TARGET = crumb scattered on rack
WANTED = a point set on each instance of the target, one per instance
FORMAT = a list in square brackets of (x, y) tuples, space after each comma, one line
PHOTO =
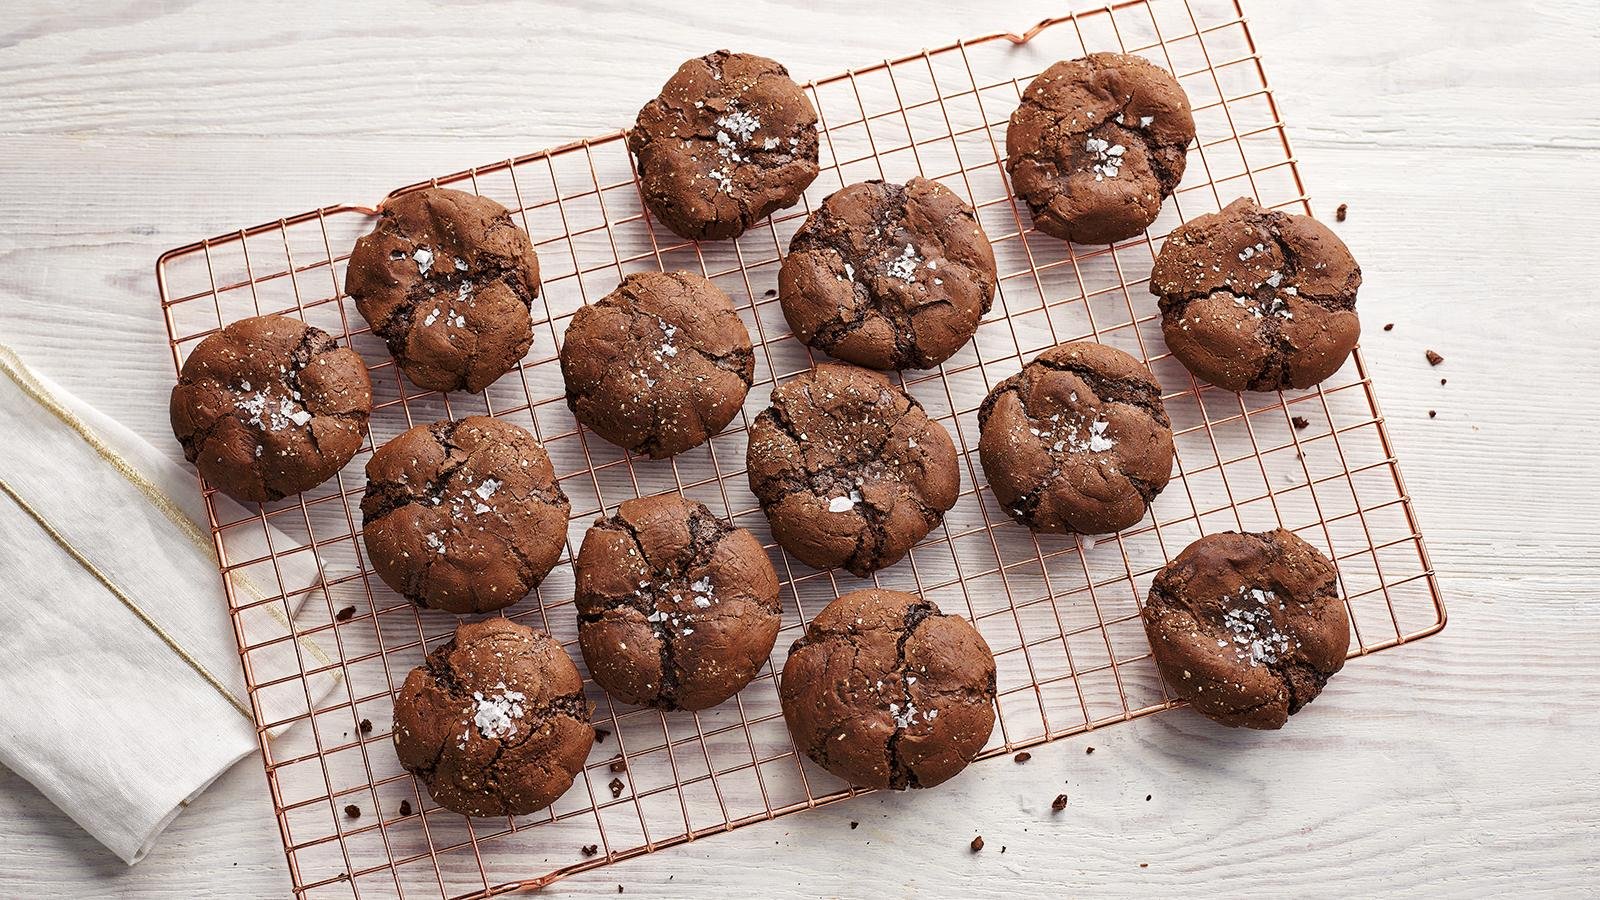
[(590, 849), (353, 811), (1300, 422), (1022, 757), (600, 735), (366, 726), (616, 787), (344, 615), (619, 765), (405, 807)]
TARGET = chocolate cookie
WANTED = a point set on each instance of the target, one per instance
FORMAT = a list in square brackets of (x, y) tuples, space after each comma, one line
[(1258, 300), (269, 407), (849, 469), (730, 140), (658, 365), (1247, 627), (1078, 441), (463, 516), (884, 690), (676, 608), (447, 280), (1097, 144), (889, 276), (494, 722)]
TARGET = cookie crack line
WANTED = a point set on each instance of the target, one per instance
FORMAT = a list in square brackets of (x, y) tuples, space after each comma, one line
[(1142, 394), (901, 776)]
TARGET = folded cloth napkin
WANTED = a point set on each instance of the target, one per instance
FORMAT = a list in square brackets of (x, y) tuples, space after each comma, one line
[(121, 691)]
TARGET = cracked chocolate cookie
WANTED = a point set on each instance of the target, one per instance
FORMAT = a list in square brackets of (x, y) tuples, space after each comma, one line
[(1257, 300), (730, 140), (463, 516), (269, 407), (1097, 144), (1078, 441), (849, 469), (888, 276), (447, 280), (658, 365), (1247, 627), (886, 691), (494, 722), (676, 608)]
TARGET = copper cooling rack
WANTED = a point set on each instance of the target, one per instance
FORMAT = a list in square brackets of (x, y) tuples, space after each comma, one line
[(1061, 614)]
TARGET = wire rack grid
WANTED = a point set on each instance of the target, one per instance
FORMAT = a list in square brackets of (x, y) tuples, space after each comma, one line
[(1061, 613)]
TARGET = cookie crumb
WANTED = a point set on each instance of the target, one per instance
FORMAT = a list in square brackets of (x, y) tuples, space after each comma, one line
[(590, 849), (366, 726), (1433, 358), (405, 807), (1300, 422), (1147, 797), (344, 615), (1433, 413), (1088, 750), (1022, 757), (600, 735), (977, 843), (854, 825), (1144, 865), (1002, 848), (619, 765), (771, 292), (1389, 327), (616, 787), (1341, 212), (352, 811), (1059, 803), (1443, 380)]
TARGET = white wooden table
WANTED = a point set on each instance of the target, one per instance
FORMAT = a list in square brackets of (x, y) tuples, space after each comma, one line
[(1465, 138)]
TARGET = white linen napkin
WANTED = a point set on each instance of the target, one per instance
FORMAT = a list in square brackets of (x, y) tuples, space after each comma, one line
[(121, 691)]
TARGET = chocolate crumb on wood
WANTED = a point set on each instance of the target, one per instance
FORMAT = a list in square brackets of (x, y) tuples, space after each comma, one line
[(366, 726), (1022, 757), (1341, 212), (1088, 750), (353, 811), (600, 735), (1301, 422), (1389, 327), (616, 786), (590, 849), (1432, 413), (854, 825), (1433, 358), (344, 615), (619, 765), (405, 807), (977, 843), (1059, 803)]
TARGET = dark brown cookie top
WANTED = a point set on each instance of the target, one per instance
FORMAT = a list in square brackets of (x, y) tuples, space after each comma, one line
[(447, 279), (269, 407), (676, 608), (463, 516), (1078, 441), (1259, 300), (1247, 627), (494, 722), (886, 691), (849, 469), (730, 140), (1097, 144), (658, 365), (889, 276)]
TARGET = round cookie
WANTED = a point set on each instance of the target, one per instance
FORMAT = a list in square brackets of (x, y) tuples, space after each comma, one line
[(676, 608), (1258, 300), (888, 276), (658, 365), (885, 691), (730, 140), (1078, 441), (269, 407), (1097, 144), (463, 516), (1247, 627), (849, 469), (447, 280), (494, 722)]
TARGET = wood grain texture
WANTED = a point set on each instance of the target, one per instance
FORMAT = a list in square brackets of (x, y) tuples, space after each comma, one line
[(1464, 137)]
